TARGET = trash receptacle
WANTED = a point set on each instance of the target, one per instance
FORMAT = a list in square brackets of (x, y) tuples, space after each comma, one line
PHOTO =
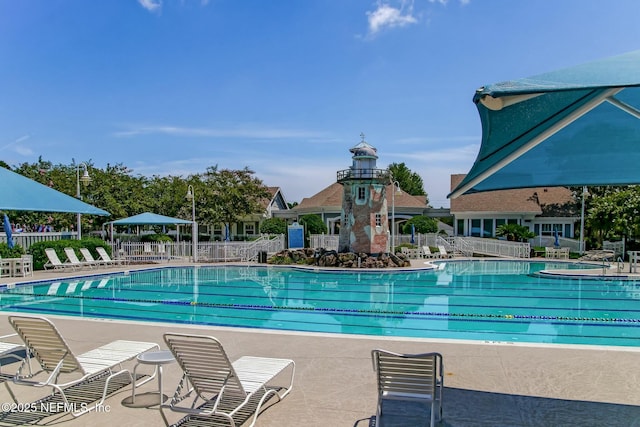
[(262, 257)]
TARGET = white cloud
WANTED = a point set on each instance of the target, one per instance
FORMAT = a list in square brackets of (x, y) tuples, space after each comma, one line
[(239, 132), (387, 16), (24, 151), (151, 5), (17, 147)]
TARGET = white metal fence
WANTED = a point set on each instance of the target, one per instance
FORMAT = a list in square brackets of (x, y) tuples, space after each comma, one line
[(461, 245), (494, 247), (207, 251), (27, 239)]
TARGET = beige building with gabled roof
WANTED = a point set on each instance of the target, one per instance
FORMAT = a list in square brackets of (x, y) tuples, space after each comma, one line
[(543, 210), (328, 204)]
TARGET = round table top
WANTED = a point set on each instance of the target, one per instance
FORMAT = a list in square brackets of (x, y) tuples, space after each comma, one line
[(159, 357)]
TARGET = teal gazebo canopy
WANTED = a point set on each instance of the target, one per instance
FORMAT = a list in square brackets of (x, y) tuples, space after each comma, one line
[(149, 218), (19, 193), (573, 127)]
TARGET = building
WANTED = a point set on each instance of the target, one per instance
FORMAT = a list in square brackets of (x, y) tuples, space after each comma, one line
[(327, 203), (248, 227), (543, 210)]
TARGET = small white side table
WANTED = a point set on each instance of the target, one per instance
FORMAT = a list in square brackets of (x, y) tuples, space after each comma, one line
[(157, 358)]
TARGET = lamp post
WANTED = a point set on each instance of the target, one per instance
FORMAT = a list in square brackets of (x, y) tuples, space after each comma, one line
[(194, 226), (85, 178), (396, 186), (585, 193)]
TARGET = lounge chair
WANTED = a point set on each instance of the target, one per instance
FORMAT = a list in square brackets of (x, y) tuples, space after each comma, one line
[(442, 252), (426, 252), (54, 262), (73, 259), (409, 377), (104, 256), (89, 259), (220, 388), (9, 349), (60, 368)]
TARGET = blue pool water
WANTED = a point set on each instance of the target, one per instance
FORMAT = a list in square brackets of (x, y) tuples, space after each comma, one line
[(470, 300)]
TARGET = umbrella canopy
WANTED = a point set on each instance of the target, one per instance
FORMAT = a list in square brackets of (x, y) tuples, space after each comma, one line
[(572, 127), (8, 231), (19, 193), (149, 218)]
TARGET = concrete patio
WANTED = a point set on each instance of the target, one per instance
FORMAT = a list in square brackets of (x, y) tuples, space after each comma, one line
[(486, 383)]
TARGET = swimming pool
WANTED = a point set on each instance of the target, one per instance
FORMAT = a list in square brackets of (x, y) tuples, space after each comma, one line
[(469, 300)]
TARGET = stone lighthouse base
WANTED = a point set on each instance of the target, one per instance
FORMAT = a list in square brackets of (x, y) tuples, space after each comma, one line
[(325, 258)]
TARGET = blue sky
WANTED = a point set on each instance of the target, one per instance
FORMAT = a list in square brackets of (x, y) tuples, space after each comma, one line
[(284, 87)]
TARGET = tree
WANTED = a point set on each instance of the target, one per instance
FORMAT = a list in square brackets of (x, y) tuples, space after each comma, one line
[(313, 224), (230, 195), (273, 226), (410, 182), (422, 224), (515, 232), (614, 213)]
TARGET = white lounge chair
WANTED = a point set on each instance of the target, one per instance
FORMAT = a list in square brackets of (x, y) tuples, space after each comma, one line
[(443, 252), (104, 256), (219, 387), (409, 377), (73, 259), (89, 259), (9, 349), (54, 262), (426, 252), (60, 368)]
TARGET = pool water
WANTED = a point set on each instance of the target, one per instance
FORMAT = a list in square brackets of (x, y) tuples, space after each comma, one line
[(468, 300)]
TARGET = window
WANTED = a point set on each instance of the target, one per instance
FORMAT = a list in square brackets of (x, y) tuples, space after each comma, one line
[(475, 227), (487, 227), (378, 220), (549, 229), (460, 230), (361, 193), (249, 229)]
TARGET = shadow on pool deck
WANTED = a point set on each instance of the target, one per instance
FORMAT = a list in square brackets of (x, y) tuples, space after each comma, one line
[(464, 408)]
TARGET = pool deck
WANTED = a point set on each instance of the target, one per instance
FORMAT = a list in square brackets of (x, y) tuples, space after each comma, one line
[(486, 383)]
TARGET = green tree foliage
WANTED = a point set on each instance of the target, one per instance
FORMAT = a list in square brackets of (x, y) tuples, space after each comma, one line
[(221, 196), (313, 224), (422, 224), (231, 195), (409, 181), (515, 232), (273, 226), (614, 213)]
